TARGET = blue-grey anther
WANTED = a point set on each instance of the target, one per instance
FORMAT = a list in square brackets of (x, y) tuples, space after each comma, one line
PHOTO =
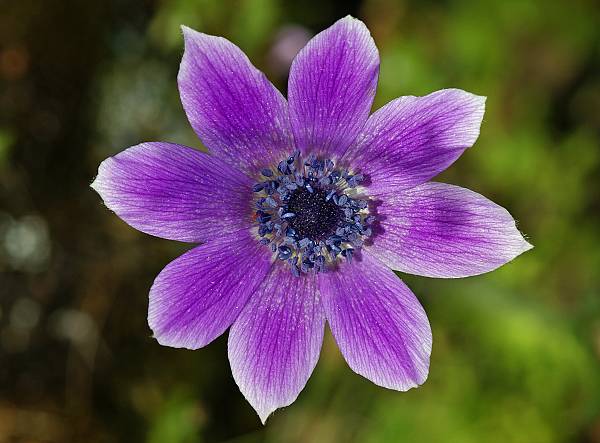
[(305, 215)]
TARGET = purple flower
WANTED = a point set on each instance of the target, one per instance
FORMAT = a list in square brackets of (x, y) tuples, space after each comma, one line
[(302, 207)]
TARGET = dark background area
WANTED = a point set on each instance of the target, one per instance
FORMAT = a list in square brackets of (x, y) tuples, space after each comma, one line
[(515, 356)]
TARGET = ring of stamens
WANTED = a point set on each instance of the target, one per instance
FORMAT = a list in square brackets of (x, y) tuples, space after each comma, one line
[(308, 214)]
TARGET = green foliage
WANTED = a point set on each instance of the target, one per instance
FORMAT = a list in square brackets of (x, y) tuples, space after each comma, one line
[(177, 421)]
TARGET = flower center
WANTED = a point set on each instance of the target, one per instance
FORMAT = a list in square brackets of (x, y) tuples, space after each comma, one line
[(316, 217), (308, 213)]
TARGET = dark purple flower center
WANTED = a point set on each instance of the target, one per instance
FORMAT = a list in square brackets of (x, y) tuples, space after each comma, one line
[(316, 217), (309, 213)]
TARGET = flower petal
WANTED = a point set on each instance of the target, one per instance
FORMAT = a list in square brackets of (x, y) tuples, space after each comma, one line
[(378, 323), (331, 87), (440, 230), (412, 139), (175, 192), (237, 113), (199, 295), (274, 344)]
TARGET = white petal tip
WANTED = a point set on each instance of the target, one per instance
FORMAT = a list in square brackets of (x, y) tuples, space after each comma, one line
[(263, 418), (99, 182), (190, 34), (482, 99), (167, 342), (526, 246), (186, 29), (94, 184), (352, 22), (396, 385), (265, 412)]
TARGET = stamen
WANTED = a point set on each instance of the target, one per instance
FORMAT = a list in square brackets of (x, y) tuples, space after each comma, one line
[(305, 216)]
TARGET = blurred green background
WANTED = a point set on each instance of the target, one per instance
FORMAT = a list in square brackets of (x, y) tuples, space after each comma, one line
[(516, 352)]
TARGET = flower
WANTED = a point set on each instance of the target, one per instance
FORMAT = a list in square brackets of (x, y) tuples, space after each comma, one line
[(302, 207)]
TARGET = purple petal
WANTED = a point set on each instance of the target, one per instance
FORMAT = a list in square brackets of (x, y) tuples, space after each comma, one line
[(378, 323), (199, 295), (412, 139), (331, 87), (175, 192), (274, 344), (237, 113), (440, 230)]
